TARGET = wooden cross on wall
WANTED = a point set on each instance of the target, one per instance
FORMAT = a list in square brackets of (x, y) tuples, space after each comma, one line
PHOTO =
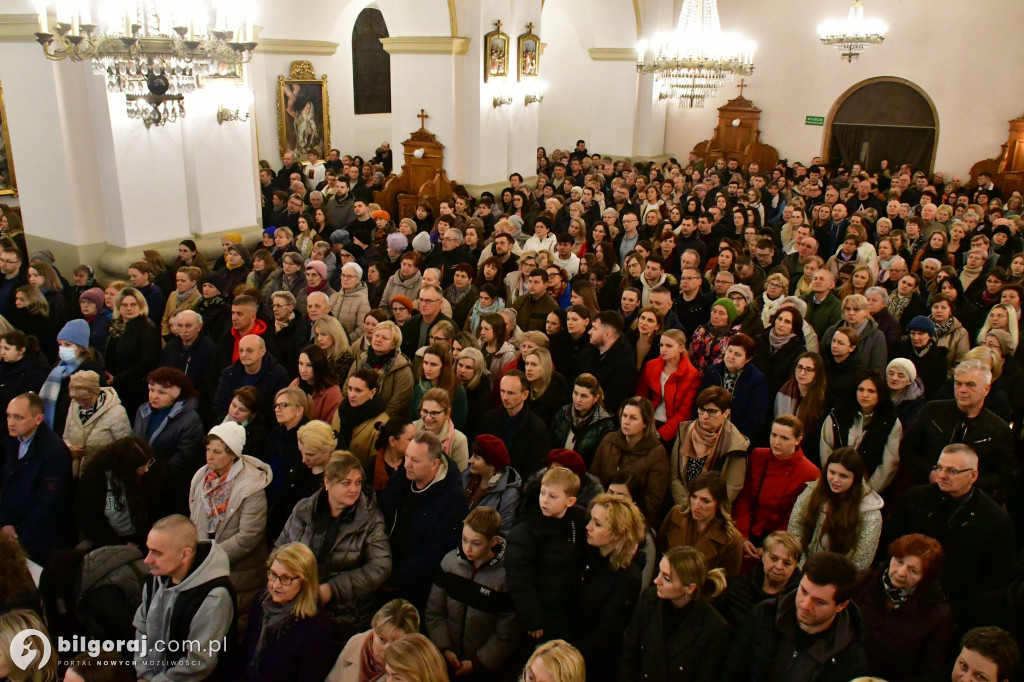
[(498, 24), (742, 85), (529, 27), (423, 116)]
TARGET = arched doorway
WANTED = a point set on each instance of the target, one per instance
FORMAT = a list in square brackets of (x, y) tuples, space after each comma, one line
[(882, 118)]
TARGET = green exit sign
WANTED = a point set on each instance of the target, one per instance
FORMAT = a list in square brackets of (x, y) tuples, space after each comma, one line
[(814, 120)]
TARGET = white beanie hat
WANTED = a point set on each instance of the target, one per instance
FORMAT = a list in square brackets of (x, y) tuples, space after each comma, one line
[(421, 242), (905, 366), (232, 434)]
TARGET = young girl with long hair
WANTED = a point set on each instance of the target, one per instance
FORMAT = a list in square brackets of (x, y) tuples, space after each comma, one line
[(839, 512)]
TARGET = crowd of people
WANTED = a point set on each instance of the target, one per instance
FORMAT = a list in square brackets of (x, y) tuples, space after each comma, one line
[(638, 421)]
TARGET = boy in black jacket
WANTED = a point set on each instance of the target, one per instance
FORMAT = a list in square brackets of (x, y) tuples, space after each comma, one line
[(545, 557)]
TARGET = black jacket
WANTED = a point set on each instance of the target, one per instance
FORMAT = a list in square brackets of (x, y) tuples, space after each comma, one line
[(770, 633), (543, 563), (615, 370), (529, 443), (976, 536), (777, 367), (130, 357), (934, 428), (27, 374), (746, 591), (290, 341), (932, 366), (602, 603), (411, 333), (693, 652)]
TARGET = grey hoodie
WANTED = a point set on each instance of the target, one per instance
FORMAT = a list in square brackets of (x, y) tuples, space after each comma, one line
[(211, 622)]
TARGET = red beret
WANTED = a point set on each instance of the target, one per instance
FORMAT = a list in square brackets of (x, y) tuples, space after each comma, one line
[(492, 449), (403, 301), (570, 459)]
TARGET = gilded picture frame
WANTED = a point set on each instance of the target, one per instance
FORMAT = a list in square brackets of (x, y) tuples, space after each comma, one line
[(528, 53), (303, 113), (8, 183), (496, 46)]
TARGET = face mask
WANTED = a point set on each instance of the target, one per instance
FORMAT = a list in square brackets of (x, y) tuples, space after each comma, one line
[(67, 354)]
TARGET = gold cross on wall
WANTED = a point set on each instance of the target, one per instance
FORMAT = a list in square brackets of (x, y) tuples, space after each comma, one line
[(529, 27), (498, 24)]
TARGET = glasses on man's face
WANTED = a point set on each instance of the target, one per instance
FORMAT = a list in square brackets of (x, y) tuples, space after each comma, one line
[(286, 581), (438, 339), (433, 414), (429, 300), (949, 471), (283, 406)]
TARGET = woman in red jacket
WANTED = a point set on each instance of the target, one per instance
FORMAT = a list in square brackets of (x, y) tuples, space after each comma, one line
[(670, 382), (775, 478)]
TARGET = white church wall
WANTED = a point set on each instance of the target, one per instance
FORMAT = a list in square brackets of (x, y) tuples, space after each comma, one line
[(965, 61)]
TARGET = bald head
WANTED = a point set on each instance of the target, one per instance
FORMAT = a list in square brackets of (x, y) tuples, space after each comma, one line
[(251, 349), (172, 545)]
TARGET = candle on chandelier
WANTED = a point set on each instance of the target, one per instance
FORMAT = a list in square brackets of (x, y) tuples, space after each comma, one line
[(42, 19)]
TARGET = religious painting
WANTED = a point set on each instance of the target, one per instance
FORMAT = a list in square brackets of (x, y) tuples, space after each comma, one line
[(529, 54), (7, 183), (495, 54), (303, 118), (226, 71)]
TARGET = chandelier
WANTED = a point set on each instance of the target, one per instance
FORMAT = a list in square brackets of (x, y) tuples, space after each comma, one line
[(854, 34), (692, 62), (152, 51)]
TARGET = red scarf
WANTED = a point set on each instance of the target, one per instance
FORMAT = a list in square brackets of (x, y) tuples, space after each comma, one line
[(369, 667)]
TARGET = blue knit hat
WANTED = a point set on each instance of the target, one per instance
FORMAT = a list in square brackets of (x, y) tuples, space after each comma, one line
[(922, 323), (76, 332)]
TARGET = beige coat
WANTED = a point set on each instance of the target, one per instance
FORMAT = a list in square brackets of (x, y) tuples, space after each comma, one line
[(109, 423), (396, 387), (364, 436), (350, 308), (242, 531), (346, 668), (730, 460), (173, 307)]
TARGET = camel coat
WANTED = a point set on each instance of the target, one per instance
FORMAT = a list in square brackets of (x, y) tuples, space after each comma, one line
[(109, 423)]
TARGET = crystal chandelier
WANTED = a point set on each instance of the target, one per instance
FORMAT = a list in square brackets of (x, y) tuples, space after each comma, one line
[(854, 34), (153, 51), (692, 62)]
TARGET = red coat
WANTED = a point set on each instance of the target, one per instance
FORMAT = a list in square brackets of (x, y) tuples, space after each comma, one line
[(680, 392), (768, 496)]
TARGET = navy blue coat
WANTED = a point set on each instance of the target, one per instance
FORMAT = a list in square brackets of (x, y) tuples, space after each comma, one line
[(303, 652), (434, 530), (751, 400), (271, 378), (35, 493)]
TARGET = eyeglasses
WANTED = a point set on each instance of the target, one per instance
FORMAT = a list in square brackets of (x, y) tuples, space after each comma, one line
[(438, 339), (348, 276), (429, 300), (711, 413), (397, 308), (431, 413), (804, 370), (283, 406), (950, 471), (286, 581)]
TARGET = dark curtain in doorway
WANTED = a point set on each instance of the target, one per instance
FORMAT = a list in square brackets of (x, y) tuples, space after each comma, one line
[(869, 144)]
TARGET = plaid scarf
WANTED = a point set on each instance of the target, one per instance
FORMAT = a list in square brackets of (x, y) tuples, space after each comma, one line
[(51, 387)]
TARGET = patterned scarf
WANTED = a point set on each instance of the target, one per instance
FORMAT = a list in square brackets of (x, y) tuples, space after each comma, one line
[(277, 620), (381, 363), (941, 329), (216, 493), (897, 304), (897, 596), (86, 413)]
